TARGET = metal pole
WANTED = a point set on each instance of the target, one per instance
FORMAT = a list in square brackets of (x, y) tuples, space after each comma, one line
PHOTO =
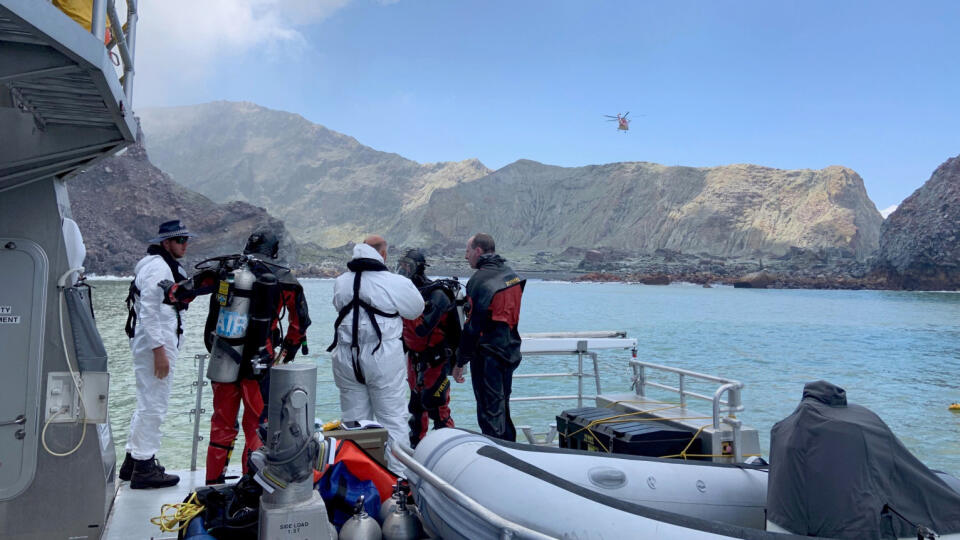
[(683, 396), (581, 347), (98, 19), (506, 527), (716, 402), (197, 411), (132, 17), (596, 371), (642, 382)]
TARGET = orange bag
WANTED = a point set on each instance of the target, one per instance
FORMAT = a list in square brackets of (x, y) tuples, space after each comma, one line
[(365, 467)]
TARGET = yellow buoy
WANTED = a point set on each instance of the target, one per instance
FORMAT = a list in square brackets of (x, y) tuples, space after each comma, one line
[(954, 407)]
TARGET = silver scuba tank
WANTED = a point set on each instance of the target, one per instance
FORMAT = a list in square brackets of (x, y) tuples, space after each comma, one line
[(387, 508), (361, 526), (460, 298), (402, 524), (233, 295)]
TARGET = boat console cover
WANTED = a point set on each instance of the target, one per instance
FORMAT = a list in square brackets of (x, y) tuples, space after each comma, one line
[(836, 470)]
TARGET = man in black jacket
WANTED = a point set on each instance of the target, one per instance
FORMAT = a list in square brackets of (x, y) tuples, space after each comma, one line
[(491, 341)]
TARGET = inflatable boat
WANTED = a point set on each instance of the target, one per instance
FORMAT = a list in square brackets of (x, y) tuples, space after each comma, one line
[(836, 472)]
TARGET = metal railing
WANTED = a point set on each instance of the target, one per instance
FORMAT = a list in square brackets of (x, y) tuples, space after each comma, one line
[(581, 350), (124, 37), (548, 437), (506, 528), (579, 374), (732, 388), (198, 410)]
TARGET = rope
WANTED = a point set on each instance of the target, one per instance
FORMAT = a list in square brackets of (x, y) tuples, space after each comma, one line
[(627, 417), (181, 516), (683, 453)]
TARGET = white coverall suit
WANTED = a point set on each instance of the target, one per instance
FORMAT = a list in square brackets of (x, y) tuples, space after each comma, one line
[(156, 326), (384, 396)]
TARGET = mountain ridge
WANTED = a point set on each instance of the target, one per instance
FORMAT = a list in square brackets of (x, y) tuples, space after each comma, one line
[(329, 189)]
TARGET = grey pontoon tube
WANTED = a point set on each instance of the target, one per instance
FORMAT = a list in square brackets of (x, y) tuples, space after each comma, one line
[(508, 529)]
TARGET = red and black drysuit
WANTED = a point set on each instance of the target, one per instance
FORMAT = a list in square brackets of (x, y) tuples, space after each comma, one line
[(491, 342), (270, 299), (431, 341)]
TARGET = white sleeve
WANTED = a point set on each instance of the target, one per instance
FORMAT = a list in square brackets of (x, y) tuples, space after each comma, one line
[(151, 303), (407, 298), (337, 295)]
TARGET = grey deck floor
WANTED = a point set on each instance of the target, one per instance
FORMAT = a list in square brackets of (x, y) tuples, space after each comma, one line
[(129, 518)]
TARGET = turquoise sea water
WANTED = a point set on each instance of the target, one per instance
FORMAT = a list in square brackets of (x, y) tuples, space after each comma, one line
[(897, 353)]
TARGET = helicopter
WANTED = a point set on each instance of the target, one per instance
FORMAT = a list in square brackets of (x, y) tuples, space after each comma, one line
[(622, 123)]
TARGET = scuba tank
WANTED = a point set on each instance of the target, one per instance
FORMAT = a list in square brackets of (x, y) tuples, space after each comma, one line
[(402, 524), (387, 508), (233, 295), (361, 526), (263, 309), (460, 299)]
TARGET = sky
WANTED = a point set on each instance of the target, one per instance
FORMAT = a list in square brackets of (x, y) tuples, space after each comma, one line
[(872, 86)]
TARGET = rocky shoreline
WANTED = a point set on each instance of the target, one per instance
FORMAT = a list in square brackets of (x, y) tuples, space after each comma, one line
[(798, 269)]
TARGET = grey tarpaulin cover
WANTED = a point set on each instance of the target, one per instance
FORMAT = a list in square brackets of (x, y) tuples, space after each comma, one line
[(835, 468), (91, 355)]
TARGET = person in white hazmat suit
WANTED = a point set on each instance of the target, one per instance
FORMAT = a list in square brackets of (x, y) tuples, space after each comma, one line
[(155, 331), (369, 365)]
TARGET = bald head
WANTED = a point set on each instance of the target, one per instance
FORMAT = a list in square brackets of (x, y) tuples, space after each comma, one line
[(378, 243)]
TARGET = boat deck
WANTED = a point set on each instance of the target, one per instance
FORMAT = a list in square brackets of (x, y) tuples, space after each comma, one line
[(132, 509)]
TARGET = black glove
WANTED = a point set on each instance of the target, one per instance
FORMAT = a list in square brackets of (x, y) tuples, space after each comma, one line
[(289, 351), (167, 287)]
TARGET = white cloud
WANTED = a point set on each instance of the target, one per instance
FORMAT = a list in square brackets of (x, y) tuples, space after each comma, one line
[(179, 42), (887, 211)]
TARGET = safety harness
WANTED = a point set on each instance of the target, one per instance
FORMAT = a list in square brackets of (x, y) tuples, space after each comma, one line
[(358, 267), (134, 292)]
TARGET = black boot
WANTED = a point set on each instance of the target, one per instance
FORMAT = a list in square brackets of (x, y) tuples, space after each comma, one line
[(126, 470), (148, 473)]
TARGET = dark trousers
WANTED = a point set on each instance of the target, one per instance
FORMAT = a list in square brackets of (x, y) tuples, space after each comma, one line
[(429, 399), (492, 381)]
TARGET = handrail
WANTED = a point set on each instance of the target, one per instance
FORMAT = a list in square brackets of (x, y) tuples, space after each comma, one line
[(579, 374), (729, 386), (198, 409), (125, 43), (507, 528), (587, 334), (125, 40)]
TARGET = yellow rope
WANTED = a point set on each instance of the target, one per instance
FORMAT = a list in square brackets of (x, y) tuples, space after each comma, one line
[(683, 453), (626, 417), (181, 516)]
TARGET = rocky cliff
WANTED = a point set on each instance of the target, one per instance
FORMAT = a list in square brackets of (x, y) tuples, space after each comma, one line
[(730, 211), (920, 240), (327, 187), (119, 203)]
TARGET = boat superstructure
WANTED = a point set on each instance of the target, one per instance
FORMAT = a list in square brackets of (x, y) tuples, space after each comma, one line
[(63, 106)]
